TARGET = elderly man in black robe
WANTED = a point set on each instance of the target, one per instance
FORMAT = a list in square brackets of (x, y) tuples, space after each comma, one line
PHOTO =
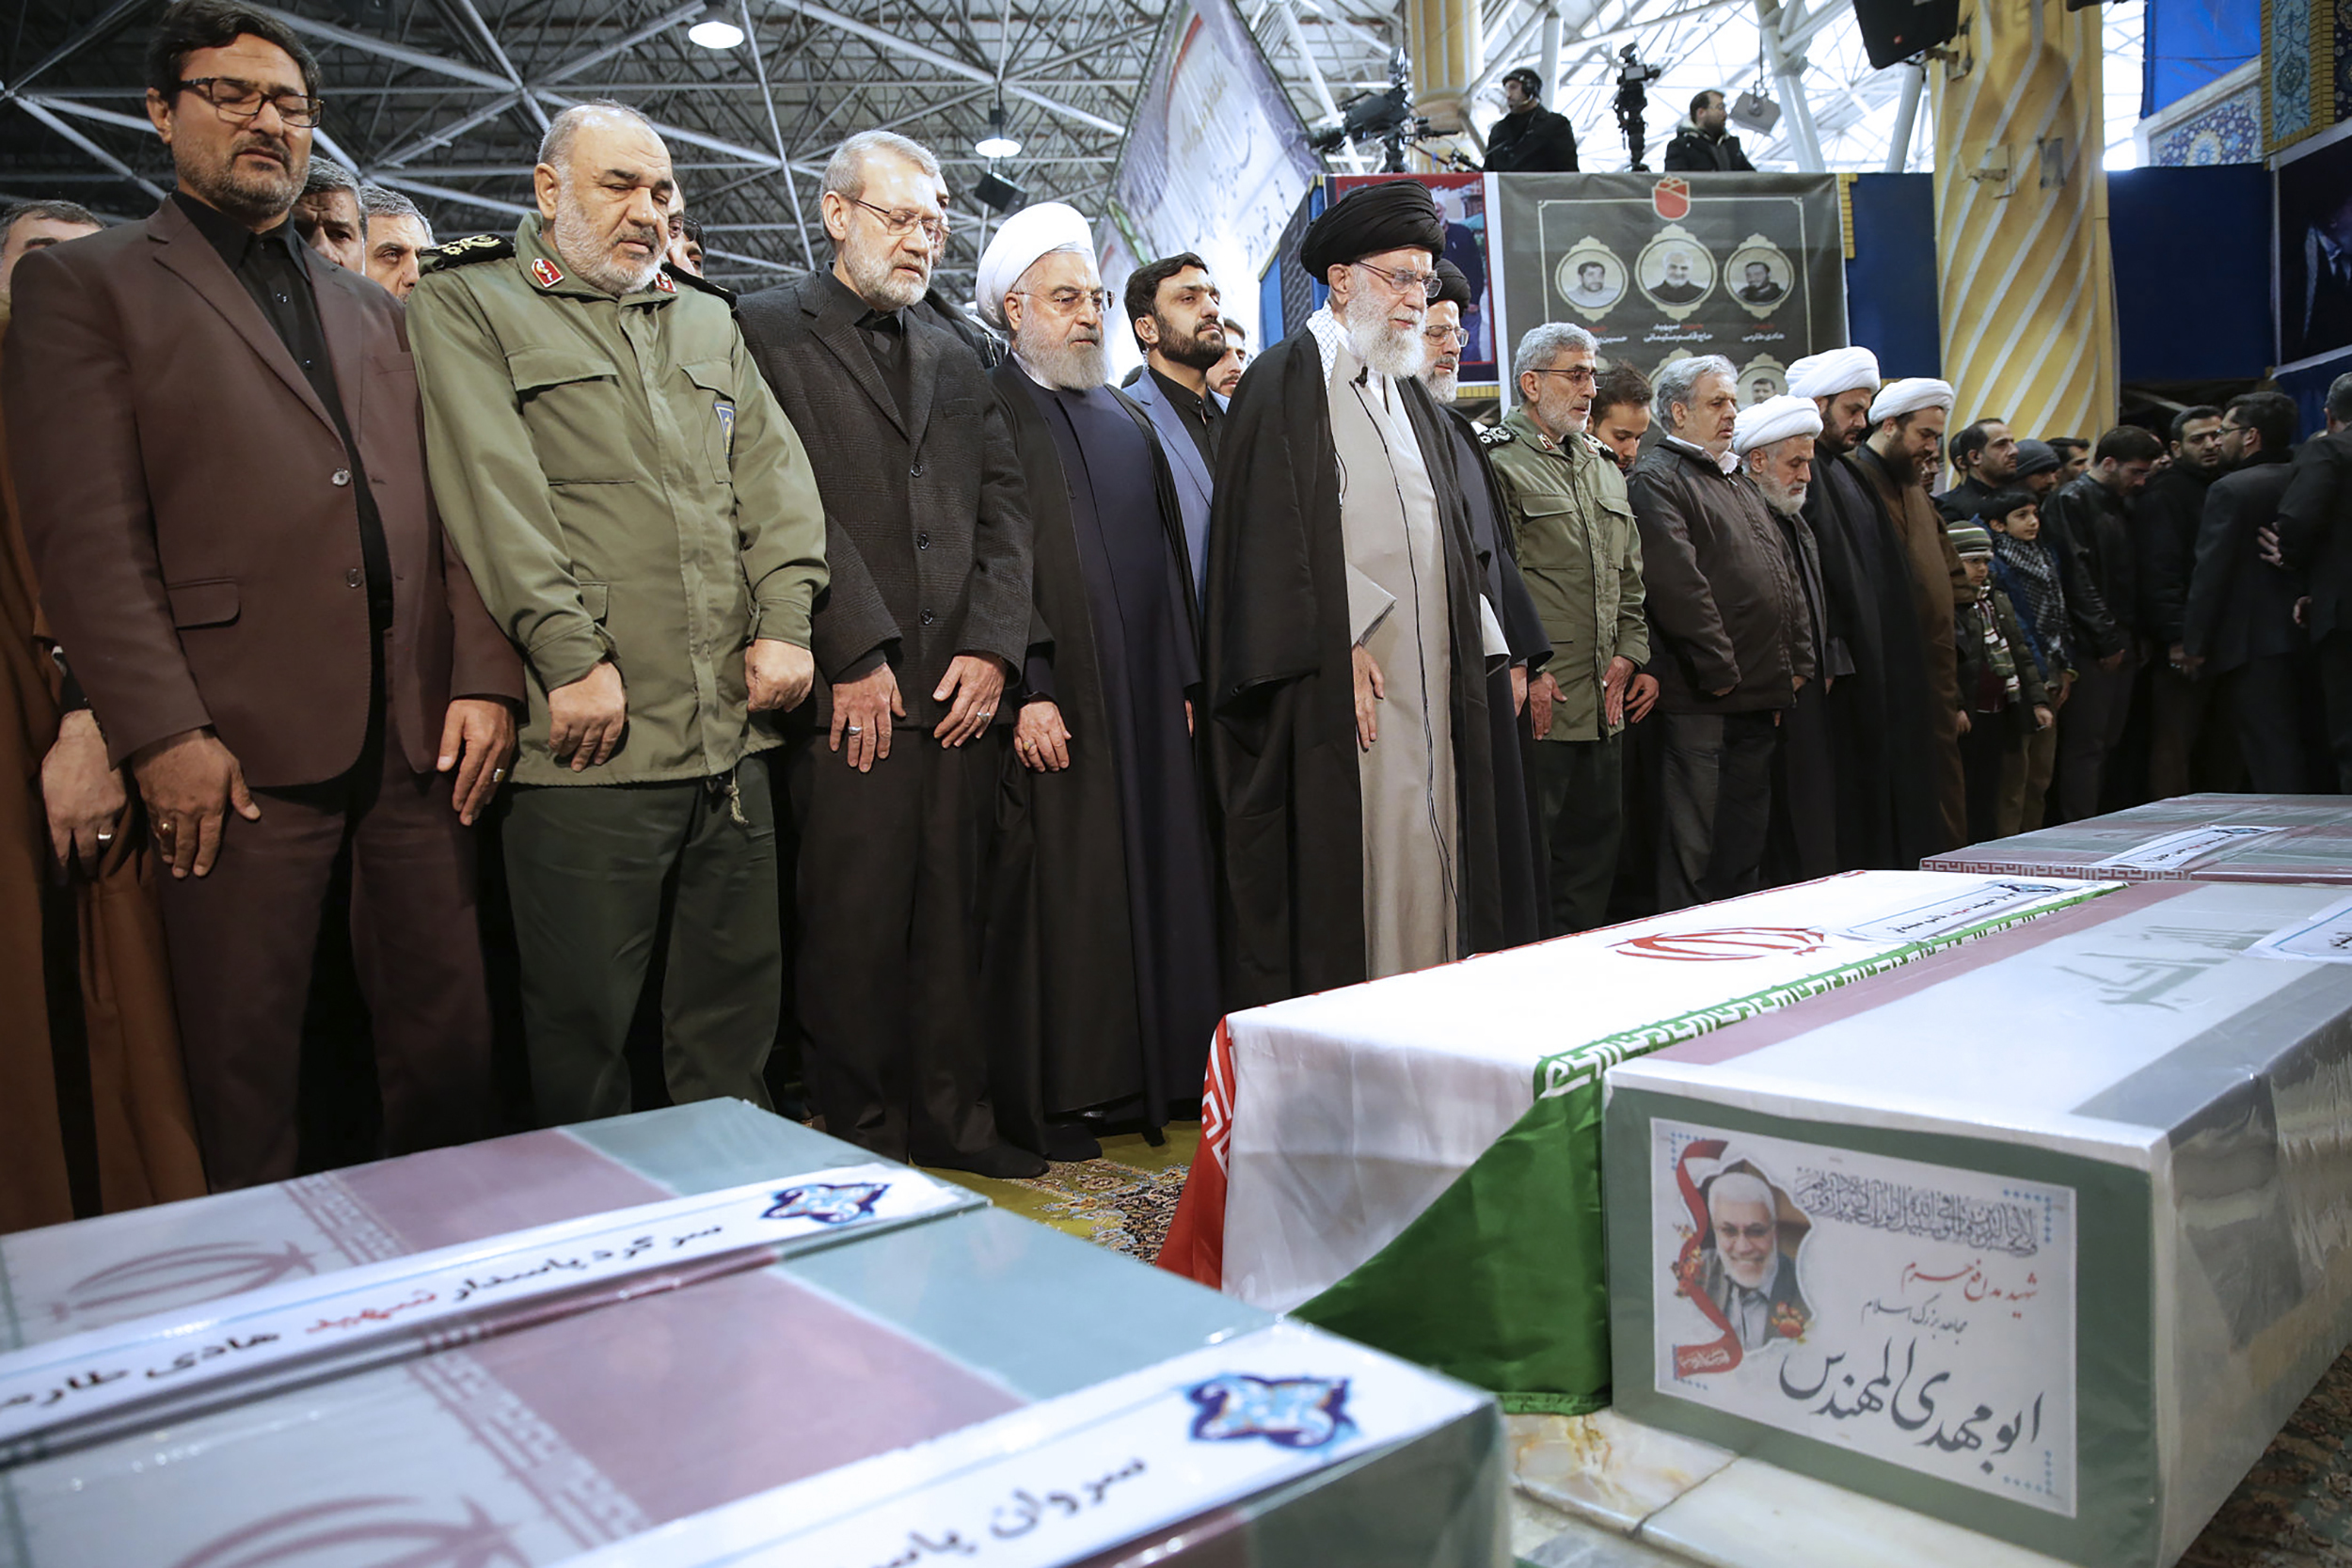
[(1102, 947), (1349, 637), (1887, 814)]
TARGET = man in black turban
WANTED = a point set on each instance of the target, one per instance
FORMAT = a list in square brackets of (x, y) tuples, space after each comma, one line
[(1349, 637)]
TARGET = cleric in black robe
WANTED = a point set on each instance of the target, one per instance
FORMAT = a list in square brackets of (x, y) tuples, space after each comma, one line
[(1101, 950), (1282, 732), (1888, 817), (1519, 848)]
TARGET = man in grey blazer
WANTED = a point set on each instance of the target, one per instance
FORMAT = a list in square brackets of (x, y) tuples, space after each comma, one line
[(892, 770), (1172, 310)]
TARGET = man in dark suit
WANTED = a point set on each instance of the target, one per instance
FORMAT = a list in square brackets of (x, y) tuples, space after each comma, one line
[(2242, 628), (892, 770), (219, 456), (2315, 533), (1172, 309)]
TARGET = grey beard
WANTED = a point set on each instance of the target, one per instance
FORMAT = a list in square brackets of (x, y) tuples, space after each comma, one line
[(1445, 385), (875, 281), (1788, 503), (1072, 367), (1397, 353), (589, 254)]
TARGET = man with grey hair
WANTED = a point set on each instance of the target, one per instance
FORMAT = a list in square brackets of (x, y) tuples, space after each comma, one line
[(1101, 955), (1582, 556), (1730, 635), (328, 214), (398, 237), (645, 527), (31, 226), (894, 774)]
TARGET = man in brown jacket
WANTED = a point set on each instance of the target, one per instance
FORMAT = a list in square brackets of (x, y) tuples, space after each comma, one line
[(1731, 638), (218, 452), (1906, 424)]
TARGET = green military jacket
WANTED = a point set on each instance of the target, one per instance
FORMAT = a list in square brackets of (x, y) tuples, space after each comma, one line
[(622, 486), (1581, 557)]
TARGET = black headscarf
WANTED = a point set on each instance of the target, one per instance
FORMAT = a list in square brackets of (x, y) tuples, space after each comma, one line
[(1370, 219)]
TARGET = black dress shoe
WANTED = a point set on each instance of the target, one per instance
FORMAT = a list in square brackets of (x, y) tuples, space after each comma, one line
[(1067, 1142), (1001, 1162)]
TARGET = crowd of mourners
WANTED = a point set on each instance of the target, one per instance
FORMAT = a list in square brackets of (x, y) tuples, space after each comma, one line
[(550, 666)]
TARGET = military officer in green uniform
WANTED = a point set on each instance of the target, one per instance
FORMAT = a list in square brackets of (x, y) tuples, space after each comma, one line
[(1577, 549), (643, 522)]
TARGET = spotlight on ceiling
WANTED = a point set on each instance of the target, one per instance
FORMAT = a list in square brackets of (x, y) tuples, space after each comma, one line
[(716, 29), (996, 144)]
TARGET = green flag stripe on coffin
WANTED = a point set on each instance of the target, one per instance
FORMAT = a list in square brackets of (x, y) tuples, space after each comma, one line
[(1503, 1281)]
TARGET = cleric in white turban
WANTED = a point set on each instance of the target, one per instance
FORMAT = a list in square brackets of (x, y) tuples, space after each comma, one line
[(1840, 369), (1043, 229), (1773, 420), (1909, 396)]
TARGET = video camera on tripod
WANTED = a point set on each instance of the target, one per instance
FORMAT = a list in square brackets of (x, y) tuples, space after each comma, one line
[(1386, 117), (1632, 102)]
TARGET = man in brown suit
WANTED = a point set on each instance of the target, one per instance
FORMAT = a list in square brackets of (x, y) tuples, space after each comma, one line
[(218, 452)]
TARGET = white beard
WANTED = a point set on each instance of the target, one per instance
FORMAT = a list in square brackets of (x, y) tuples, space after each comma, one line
[(1070, 367), (1395, 352), (1445, 385)]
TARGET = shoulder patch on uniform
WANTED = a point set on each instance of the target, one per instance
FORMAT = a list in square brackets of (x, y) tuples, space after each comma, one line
[(458, 253), (546, 272), (1496, 435), (672, 278), (1596, 444)]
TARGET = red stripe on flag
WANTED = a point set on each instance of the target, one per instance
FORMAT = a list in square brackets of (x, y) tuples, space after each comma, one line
[(1196, 1235)]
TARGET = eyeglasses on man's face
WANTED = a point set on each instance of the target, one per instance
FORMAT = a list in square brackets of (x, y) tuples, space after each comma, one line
[(1067, 300), (1408, 285), (1445, 336), (1580, 375), (241, 99), (898, 225)]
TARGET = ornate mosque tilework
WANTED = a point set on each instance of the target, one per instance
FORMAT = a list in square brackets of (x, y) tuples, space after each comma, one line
[(2228, 131), (2287, 70)]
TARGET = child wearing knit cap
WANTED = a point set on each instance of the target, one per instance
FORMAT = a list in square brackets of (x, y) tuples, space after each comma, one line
[(2002, 696)]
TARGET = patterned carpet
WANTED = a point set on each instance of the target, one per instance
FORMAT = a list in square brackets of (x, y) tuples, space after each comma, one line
[(1122, 1201)]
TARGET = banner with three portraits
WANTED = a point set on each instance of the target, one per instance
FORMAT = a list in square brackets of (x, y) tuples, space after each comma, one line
[(1659, 268)]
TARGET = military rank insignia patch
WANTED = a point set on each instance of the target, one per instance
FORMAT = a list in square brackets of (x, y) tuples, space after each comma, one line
[(662, 282), (1495, 435), (546, 272)]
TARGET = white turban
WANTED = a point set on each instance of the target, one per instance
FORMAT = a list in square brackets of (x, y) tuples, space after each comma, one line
[(1841, 370), (1029, 234), (1897, 398), (1775, 420)]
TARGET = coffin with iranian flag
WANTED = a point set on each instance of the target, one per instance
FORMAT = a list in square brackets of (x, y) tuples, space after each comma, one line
[(2044, 1235), (700, 1336), (2217, 838), (1415, 1163)]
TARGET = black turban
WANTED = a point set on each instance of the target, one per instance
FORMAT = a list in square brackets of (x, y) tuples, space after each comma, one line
[(1370, 219), (1452, 284)]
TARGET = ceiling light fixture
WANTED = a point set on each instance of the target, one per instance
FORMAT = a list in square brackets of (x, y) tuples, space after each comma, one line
[(996, 144), (717, 29)]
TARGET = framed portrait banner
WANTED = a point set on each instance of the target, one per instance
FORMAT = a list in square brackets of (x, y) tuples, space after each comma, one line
[(1750, 267), (2312, 248), (1916, 1313)]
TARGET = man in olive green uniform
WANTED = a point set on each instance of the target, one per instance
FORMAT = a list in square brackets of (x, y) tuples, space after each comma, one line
[(643, 522), (1582, 561)]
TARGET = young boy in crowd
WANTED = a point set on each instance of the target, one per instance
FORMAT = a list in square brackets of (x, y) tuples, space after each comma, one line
[(2026, 571), (2004, 701)]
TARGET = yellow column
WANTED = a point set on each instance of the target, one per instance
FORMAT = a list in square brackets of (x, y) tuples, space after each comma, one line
[(2021, 221), (1447, 42)]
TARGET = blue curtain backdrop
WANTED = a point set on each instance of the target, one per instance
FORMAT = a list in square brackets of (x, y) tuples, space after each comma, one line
[(1890, 284), (2192, 312), (2192, 42)]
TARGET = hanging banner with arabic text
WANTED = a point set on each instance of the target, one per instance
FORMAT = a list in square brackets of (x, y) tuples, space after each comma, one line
[(1915, 1313), (1659, 268)]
